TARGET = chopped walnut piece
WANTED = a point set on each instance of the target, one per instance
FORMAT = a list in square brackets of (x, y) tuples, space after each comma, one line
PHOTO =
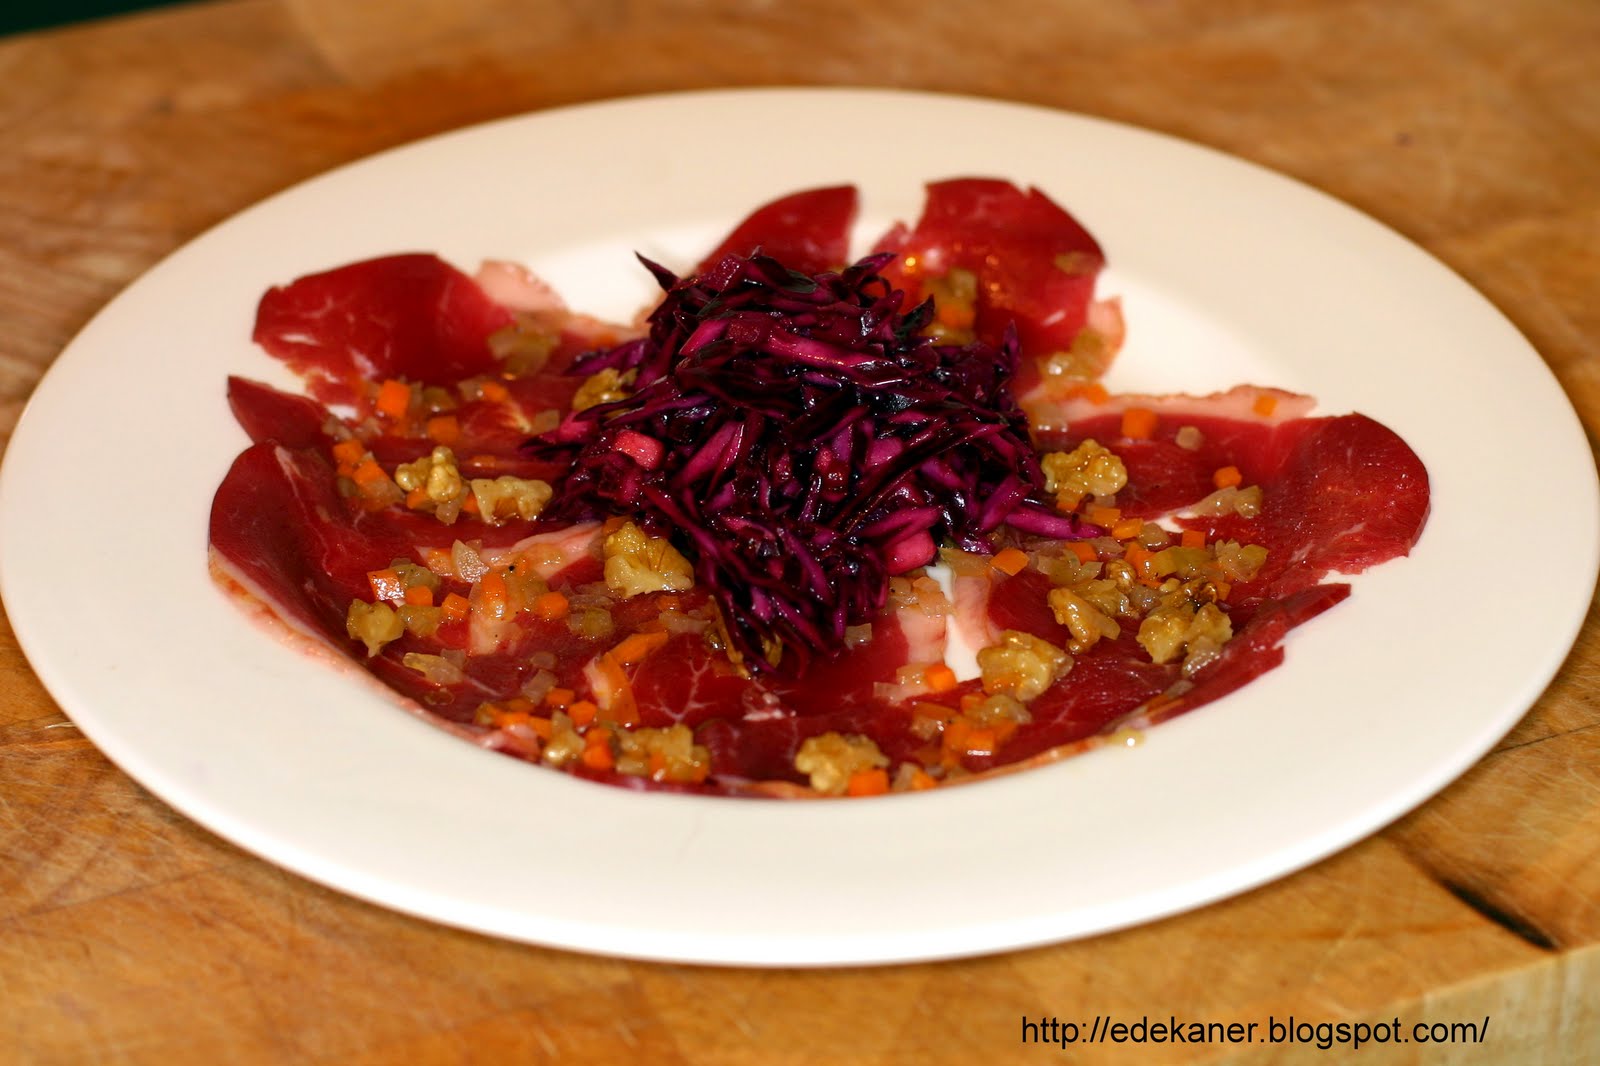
[(831, 758), (1179, 628), (435, 473), (636, 564), (506, 497), (668, 754), (1086, 621), (374, 624), (1088, 470), (1021, 665)]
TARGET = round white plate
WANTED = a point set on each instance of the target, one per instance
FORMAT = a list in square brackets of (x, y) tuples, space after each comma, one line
[(1230, 274)]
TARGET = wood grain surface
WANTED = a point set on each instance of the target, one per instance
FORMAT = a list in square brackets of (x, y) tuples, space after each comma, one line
[(128, 935)]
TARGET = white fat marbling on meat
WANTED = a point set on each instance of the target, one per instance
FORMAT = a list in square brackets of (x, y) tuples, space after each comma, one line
[(516, 288), (968, 628)]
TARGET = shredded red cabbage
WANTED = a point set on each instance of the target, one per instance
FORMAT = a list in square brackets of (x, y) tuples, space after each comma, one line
[(801, 442)]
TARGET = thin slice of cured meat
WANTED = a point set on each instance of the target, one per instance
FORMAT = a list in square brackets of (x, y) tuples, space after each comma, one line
[(488, 443), (808, 231), (282, 534), (269, 414), (1256, 648), (1035, 264), (1104, 687), (1338, 494), (412, 316)]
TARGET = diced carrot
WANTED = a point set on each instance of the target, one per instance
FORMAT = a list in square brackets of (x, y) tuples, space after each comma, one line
[(1067, 502), (441, 562), (394, 398), (560, 697), (939, 678), (519, 703), (921, 780), (1138, 423), (1103, 516), (582, 712), (1010, 561), (1142, 560), (540, 726), (1094, 392), (470, 504), (492, 593), (1193, 538), (955, 736), (494, 392), (550, 606), (636, 646), (598, 757), (657, 765), (1127, 528), (486, 462), (369, 473), (349, 452), (873, 782), (971, 700), (614, 692), (1083, 550), (1226, 477), (417, 498), (957, 314), (443, 429), (1223, 588), (506, 718), (1265, 404), (980, 742), (455, 607), (419, 596), (385, 585)]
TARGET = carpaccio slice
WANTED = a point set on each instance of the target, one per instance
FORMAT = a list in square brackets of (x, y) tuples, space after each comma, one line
[(807, 231), (400, 526), (1031, 265)]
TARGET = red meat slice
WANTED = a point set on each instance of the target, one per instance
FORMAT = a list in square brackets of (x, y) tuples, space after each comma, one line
[(1105, 685), (266, 413), (403, 316), (282, 531), (283, 535), (685, 681), (1338, 494), (808, 231), (1256, 648), (1036, 265), (489, 444)]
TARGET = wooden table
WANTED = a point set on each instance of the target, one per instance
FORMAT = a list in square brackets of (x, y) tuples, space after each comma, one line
[(127, 934)]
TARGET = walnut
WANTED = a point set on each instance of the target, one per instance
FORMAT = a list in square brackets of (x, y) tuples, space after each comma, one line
[(1087, 470), (831, 758), (1021, 665), (636, 564)]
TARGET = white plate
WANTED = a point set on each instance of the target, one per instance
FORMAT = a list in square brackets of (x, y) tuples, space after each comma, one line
[(1231, 274)]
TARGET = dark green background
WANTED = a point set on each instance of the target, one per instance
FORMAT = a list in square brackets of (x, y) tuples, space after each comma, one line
[(14, 18)]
